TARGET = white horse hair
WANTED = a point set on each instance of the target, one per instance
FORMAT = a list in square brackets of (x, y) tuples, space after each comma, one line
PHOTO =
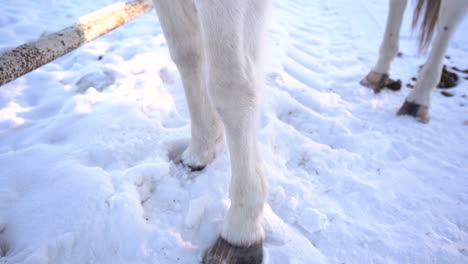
[(444, 16), (216, 46)]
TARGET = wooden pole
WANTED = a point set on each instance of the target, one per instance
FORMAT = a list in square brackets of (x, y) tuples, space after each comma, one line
[(30, 56)]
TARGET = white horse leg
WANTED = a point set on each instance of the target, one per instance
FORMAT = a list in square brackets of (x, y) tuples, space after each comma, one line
[(378, 76), (417, 102), (181, 28), (231, 31), (390, 43)]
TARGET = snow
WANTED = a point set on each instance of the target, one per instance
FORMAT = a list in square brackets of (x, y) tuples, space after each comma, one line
[(89, 146)]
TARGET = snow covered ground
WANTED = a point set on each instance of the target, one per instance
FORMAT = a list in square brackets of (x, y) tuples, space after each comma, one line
[(87, 145)]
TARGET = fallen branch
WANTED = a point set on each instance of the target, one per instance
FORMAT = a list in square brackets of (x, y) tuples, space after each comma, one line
[(28, 57)]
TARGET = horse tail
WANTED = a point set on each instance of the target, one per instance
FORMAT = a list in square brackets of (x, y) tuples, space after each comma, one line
[(429, 20)]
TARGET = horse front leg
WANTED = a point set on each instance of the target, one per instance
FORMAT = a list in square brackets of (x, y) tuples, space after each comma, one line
[(181, 28), (417, 102), (231, 32), (379, 76)]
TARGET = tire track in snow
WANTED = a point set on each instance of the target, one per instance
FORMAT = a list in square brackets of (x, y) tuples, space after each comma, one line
[(320, 59), (314, 60), (322, 67), (319, 65)]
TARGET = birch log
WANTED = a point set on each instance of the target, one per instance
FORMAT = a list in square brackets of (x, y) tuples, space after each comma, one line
[(30, 56)]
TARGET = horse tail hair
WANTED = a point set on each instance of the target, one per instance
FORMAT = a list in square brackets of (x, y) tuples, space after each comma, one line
[(429, 10)]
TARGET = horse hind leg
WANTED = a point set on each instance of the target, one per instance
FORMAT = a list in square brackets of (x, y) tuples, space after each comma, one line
[(417, 102), (378, 77), (181, 28), (231, 32)]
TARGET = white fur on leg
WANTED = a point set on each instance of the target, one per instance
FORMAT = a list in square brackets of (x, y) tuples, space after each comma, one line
[(181, 26), (241, 229), (244, 220), (232, 37), (451, 14), (216, 44), (389, 46)]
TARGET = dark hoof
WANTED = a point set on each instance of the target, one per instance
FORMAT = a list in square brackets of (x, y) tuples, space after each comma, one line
[(379, 81), (192, 167), (222, 252), (421, 112)]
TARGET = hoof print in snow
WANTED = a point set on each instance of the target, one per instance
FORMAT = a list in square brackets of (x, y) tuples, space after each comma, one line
[(312, 220), (145, 187), (421, 112), (98, 80), (223, 252)]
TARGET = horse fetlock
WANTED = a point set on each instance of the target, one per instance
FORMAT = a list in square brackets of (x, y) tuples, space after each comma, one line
[(202, 152), (243, 224)]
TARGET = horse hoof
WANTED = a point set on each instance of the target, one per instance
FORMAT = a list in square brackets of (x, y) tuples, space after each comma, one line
[(222, 252), (378, 81), (196, 159), (193, 167), (420, 112), (194, 162), (375, 81)]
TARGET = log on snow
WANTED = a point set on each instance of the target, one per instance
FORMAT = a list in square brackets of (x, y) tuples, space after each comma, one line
[(30, 56)]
